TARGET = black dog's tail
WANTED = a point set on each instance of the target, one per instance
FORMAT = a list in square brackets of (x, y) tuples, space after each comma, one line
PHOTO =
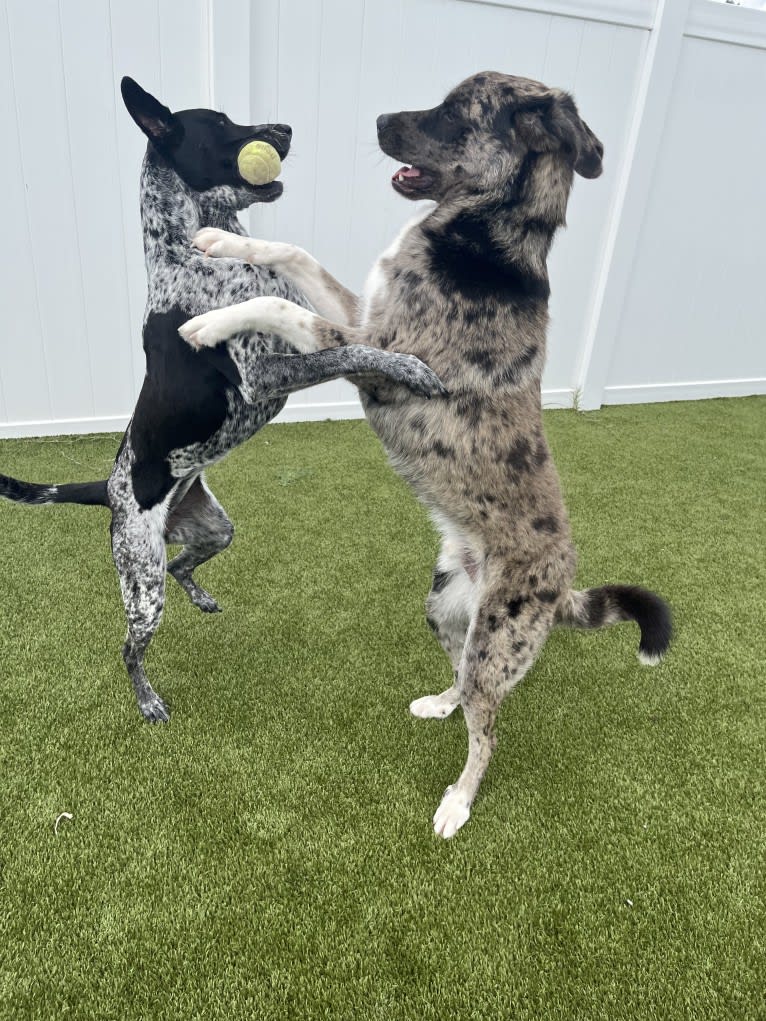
[(91, 493), (610, 604)]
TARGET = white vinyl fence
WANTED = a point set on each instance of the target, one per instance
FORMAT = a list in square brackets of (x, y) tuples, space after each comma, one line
[(658, 282)]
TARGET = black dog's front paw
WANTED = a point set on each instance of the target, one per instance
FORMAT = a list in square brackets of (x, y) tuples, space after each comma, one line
[(420, 379)]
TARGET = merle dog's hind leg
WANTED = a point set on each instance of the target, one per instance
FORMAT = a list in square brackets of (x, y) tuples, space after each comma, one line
[(505, 637), (138, 548), (450, 605), (200, 523)]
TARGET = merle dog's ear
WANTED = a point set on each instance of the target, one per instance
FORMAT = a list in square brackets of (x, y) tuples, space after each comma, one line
[(556, 124), (155, 120)]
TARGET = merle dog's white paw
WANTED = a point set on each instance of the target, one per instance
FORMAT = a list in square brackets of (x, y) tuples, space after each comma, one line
[(213, 327), (432, 707), (220, 244), (452, 813)]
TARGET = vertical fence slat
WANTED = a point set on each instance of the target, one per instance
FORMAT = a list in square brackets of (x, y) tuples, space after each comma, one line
[(96, 185), (53, 227), (25, 382)]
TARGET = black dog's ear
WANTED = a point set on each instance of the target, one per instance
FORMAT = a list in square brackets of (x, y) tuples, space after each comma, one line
[(155, 120), (556, 124)]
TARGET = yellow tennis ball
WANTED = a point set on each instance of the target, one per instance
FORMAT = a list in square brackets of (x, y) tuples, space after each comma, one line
[(259, 162)]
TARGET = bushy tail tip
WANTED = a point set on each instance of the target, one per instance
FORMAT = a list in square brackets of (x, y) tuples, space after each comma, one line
[(610, 604)]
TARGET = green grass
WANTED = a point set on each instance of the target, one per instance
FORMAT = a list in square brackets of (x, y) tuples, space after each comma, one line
[(269, 853)]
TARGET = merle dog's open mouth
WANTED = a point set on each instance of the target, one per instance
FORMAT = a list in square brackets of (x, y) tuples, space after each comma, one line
[(412, 180)]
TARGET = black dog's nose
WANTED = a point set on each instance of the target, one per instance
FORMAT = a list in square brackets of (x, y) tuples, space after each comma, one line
[(383, 121), (283, 129)]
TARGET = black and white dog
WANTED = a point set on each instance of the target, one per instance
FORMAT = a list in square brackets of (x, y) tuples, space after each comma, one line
[(194, 408)]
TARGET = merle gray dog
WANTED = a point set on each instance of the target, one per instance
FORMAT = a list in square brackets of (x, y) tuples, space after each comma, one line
[(465, 287), (193, 410)]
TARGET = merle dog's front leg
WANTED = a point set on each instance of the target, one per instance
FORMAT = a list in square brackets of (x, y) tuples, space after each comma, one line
[(328, 350), (329, 297)]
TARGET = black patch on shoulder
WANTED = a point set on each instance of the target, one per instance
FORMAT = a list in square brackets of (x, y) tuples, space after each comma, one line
[(547, 595), (547, 524), (514, 606), (466, 259)]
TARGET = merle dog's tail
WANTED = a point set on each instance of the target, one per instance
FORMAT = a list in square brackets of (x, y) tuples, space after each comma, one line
[(91, 493), (610, 604)]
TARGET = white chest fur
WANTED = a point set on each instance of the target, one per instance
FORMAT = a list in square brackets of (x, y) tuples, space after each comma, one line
[(376, 284)]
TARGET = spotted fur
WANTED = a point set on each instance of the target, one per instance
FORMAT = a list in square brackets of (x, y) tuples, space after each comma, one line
[(465, 287), (194, 408)]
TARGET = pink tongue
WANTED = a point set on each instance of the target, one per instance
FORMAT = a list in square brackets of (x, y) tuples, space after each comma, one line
[(409, 172)]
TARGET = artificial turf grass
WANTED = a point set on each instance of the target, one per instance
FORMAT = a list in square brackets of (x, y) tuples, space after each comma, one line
[(269, 854)]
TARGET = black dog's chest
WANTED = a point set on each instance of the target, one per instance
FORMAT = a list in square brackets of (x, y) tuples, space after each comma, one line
[(189, 411)]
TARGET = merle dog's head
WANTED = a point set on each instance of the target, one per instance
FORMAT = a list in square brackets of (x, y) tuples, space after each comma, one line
[(202, 146), (478, 138)]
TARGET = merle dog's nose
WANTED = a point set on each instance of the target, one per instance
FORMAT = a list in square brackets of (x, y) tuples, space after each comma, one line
[(383, 121)]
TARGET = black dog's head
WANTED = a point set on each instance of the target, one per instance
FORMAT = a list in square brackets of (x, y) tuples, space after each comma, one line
[(202, 146), (476, 140)]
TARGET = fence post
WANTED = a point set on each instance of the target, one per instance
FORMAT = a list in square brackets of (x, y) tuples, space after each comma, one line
[(645, 136)]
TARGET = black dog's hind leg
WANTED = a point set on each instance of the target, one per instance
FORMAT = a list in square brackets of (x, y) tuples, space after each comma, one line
[(138, 548), (200, 523)]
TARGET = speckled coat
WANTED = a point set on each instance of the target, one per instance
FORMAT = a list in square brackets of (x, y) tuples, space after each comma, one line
[(194, 408), (464, 287)]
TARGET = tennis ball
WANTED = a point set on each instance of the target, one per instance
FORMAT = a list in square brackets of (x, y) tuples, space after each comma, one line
[(258, 162)]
